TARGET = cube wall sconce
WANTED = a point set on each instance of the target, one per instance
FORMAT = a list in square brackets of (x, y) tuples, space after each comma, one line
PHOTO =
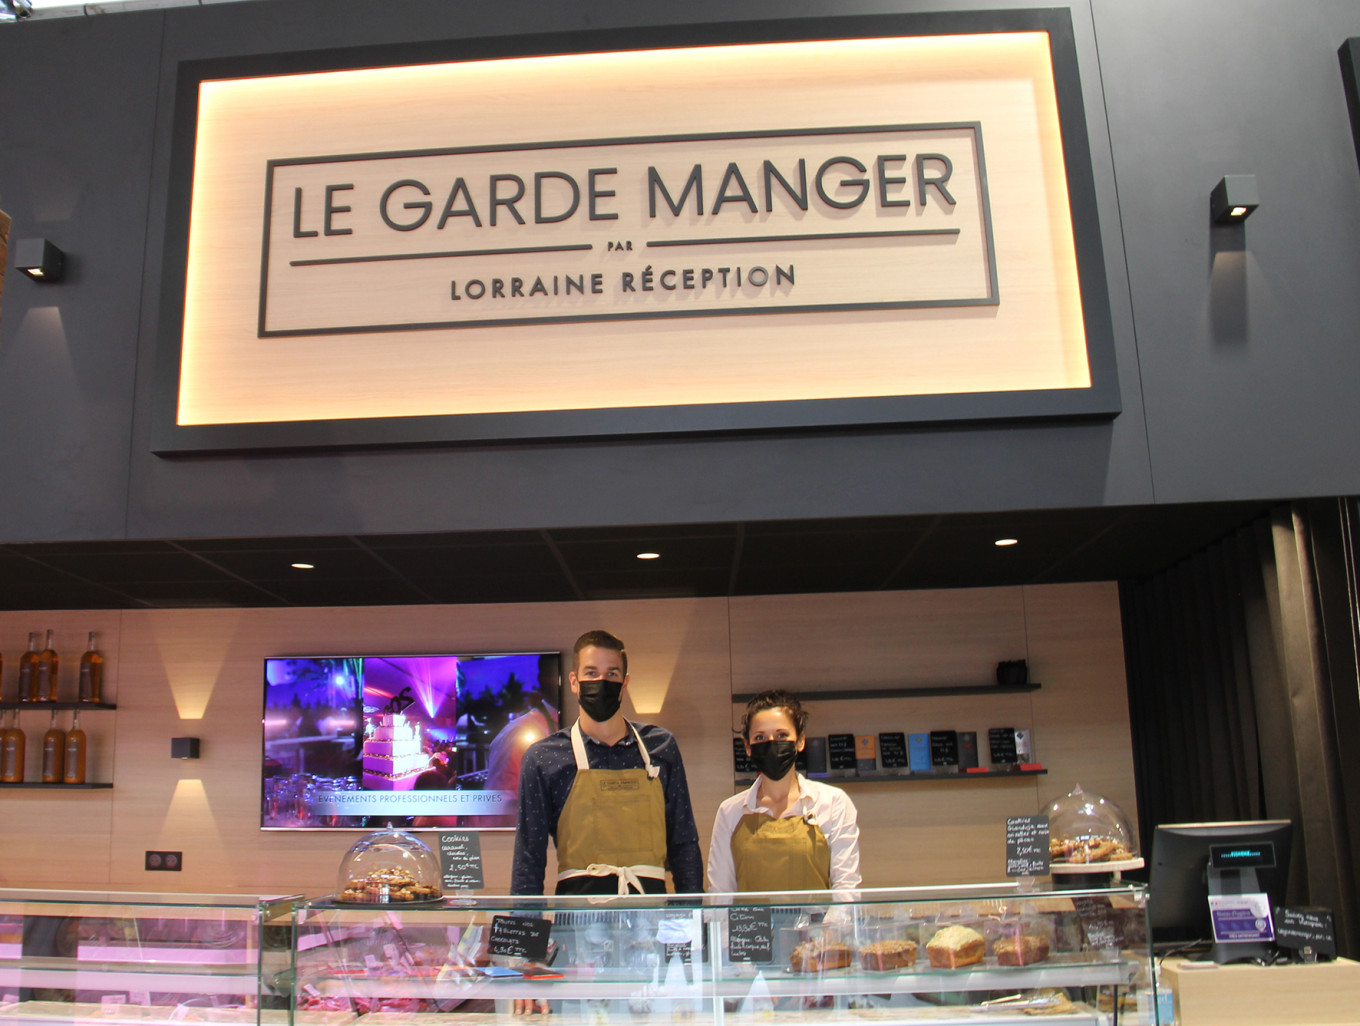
[(39, 259), (1233, 199), (184, 748)]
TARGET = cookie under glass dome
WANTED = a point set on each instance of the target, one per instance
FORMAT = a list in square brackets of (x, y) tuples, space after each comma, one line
[(389, 867), (1085, 827)]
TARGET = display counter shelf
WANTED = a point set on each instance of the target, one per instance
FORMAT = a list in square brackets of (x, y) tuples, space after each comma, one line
[(720, 959)]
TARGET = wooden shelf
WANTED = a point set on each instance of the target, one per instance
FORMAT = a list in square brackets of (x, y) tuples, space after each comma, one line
[(951, 690), (880, 778), (60, 706), (61, 787)]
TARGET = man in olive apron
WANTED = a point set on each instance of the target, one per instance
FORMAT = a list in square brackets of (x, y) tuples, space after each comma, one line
[(611, 794)]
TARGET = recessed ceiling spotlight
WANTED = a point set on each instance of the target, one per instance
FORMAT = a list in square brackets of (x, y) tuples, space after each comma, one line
[(649, 555), (303, 566), (1003, 542)]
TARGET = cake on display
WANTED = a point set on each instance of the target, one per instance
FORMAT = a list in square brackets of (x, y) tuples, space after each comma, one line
[(392, 755)]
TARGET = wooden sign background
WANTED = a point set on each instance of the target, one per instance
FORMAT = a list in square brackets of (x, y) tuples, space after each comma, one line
[(994, 309)]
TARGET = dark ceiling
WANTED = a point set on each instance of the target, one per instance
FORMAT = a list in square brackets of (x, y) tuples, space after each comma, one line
[(859, 554)]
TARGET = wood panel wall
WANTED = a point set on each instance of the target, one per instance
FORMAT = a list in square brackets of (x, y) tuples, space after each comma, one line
[(198, 673)]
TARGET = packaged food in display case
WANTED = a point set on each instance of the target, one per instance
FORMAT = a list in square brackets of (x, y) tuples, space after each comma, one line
[(1085, 827), (389, 867), (955, 943), (1023, 940)]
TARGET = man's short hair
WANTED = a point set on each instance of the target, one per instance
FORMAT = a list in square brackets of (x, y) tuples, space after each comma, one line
[(598, 639)]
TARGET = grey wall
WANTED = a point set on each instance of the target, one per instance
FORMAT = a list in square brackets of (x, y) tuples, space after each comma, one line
[(1237, 354)]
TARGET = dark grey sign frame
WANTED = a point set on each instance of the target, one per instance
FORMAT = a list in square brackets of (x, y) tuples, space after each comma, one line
[(1100, 401)]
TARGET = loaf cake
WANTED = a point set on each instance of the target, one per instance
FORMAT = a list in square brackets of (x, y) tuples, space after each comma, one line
[(815, 956), (1025, 949), (955, 946), (888, 954)]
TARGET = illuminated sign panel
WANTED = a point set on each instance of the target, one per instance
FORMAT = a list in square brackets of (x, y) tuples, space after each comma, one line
[(628, 229), (849, 231)]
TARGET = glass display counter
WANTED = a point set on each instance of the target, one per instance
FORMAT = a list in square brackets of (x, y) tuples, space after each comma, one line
[(990, 954), (114, 958)]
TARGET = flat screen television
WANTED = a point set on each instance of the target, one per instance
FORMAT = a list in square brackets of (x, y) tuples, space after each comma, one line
[(1191, 861), (411, 741)]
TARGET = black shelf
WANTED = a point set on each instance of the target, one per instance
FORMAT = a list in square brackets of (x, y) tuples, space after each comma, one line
[(57, 705), (951, 690), (879, 778), (61, 787)]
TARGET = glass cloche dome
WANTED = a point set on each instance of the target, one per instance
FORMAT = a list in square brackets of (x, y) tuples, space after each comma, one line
[(389, 867), (1086, 827)]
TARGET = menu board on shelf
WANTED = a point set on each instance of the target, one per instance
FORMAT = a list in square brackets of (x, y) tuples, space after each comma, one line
[(892, 750), (840, 753)]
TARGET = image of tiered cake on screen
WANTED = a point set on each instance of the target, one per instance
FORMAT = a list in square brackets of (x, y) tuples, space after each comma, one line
[(393, 753)]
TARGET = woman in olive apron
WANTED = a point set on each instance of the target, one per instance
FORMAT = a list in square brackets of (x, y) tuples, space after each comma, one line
[(786, 832)]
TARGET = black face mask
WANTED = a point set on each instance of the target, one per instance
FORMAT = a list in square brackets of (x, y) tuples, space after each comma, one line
[(774, 758), (600, 699)]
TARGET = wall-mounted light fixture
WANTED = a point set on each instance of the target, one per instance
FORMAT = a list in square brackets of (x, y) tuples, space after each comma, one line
[(39, 259), (184, 748), (1233, 199)]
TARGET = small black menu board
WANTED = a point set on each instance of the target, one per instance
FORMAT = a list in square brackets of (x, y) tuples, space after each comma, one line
[(1002, 742), (750, 933), (742, 764), (519, 937), (1027, 846), (840, 753), (944, 749), (1299, 928), (892, 750), (460, 859)]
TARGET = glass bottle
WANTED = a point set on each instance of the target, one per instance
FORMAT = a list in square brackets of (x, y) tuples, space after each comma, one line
[(91, 687), (53, 753), (27, 662), (12, 745), (74, 770), (45, 673)]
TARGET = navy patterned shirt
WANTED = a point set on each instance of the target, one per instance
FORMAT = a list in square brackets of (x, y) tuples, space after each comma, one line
[(545, 780)]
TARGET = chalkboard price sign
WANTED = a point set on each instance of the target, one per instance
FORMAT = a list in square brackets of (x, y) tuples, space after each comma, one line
[(892, 750), (750, 935), (1027, 846), (1299, 928), (840, 751), (460, 859), (519, 937), (1097, 921)]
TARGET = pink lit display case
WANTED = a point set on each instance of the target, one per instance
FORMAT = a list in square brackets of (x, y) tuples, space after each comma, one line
[(112, 958)]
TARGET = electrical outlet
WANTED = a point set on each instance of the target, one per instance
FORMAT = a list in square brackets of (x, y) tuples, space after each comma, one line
[(164, 861)]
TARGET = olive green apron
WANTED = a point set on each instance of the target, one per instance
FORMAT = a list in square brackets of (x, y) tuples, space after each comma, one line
[(613, 822), (789, 854)]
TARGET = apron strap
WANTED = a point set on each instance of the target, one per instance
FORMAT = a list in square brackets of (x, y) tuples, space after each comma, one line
[(628, 875), (578, 748)]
